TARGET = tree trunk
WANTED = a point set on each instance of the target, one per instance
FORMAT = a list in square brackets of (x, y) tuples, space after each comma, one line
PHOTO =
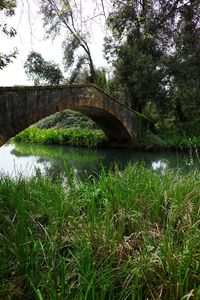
[(179, 114)]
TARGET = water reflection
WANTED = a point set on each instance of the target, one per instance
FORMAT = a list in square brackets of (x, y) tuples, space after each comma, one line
[(54, 160), (160, 165)]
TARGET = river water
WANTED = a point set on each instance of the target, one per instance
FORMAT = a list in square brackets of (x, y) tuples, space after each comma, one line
[(26, 159)]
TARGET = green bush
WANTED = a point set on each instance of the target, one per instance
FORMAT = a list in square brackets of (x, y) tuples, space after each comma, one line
[(67, 119)]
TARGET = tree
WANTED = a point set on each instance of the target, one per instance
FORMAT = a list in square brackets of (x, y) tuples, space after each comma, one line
[(62, 14), (83, 76), (138, 57), (41, 71), (185, 63), (144, 51), (8, 8)]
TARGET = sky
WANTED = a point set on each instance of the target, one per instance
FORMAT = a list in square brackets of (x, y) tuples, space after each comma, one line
[(31, 36)]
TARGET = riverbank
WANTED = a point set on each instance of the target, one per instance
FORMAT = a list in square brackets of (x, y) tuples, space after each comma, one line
[(85, 137), (68, 136), (126, 235), (75, 129)]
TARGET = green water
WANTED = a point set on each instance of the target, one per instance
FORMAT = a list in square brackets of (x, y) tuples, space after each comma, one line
[(25, 159)]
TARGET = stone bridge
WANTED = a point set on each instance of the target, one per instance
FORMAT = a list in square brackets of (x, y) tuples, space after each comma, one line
[(22, 106)]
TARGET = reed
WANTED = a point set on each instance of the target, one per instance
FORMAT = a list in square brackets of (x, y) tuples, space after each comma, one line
[(124, 235)]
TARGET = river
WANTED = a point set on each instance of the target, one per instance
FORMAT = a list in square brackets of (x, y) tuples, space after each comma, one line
[(27, 159)]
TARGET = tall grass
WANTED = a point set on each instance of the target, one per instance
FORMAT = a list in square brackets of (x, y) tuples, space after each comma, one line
[(68, 136), (125, 235)]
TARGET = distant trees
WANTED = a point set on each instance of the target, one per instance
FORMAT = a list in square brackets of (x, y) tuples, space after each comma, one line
[(42, 71), (8, 9), (47, 72)]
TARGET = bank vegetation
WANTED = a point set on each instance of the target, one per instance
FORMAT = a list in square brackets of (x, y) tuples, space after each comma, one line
[(122, 235)]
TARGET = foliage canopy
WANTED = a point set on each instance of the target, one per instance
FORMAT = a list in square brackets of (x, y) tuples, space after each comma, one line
[(7, 7)]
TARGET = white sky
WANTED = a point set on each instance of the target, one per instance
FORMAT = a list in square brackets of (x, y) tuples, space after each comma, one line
[(30, 36)]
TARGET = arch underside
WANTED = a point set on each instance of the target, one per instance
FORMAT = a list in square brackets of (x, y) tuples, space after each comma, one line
[(111, 126)]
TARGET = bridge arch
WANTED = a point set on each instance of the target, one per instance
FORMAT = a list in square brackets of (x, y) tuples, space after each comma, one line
[(113, 128), (22, 106)]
